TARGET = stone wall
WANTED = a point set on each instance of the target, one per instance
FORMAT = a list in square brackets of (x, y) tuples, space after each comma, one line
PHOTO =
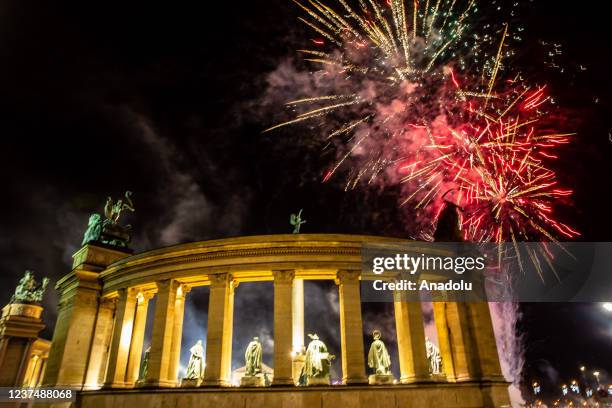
[(459, 395)]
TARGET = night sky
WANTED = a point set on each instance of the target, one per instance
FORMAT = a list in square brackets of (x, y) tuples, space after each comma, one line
[(167, 101)]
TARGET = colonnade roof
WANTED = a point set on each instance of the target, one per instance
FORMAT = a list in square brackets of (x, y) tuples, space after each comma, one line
[(247, 258)]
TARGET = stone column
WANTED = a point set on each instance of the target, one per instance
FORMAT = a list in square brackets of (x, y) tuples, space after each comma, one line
[(161, 339), (101, 343), (30, 372), (485, 347), (410, 340), (439, 310), (298, 315), (470, 350), (297, 355), (351, 327), (177, 334), (140, 321), (79, 296), (283, 327), (219, 335), (122, 338), (462, 346)]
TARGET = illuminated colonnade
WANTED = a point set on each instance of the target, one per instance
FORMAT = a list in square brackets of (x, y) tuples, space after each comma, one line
[(104, 304)]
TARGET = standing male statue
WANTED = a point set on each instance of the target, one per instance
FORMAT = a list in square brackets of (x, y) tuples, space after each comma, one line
[(433, 356), (195, 368), (379, 360), (252, 357), (253, 376), (144, 365), (317, 362)]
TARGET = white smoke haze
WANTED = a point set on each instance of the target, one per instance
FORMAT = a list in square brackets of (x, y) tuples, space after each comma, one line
[(62, 224), (187, 211), (505, 317), (182, 211)]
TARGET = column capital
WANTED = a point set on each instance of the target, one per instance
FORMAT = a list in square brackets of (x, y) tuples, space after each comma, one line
[(143, 297), (167, 284), (223, 278), (182, 291), (127, 293), (108, 301), (347, 275), (284, 275)]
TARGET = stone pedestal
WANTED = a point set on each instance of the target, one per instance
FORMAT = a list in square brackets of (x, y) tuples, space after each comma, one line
[(317, 381), (190, 383), (73, 337), (297, 362), (381, 379), (252, 381), (19, 328), (438, 378)]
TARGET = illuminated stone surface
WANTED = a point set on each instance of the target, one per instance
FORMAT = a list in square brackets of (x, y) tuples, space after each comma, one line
[(107, 282)]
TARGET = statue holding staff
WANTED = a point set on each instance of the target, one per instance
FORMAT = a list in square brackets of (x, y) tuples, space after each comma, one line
[(296, 221)]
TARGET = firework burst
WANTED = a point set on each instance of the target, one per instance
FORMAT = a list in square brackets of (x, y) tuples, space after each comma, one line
[(418, 94)]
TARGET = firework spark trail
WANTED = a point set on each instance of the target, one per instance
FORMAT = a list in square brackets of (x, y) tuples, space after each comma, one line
[(434, 107)]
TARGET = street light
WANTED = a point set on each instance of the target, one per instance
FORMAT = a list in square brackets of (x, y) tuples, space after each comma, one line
[(607, 306)]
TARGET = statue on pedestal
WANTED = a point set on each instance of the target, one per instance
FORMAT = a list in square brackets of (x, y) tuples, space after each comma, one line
[(379, 360), (28, 290), (252, 357), (109, 231), (296, 221), (317, 363), (144, 365), (195, 368), (253, 376), (433, 356)]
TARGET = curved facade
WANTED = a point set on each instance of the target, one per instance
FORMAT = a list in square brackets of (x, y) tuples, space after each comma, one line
[(99, 334)]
